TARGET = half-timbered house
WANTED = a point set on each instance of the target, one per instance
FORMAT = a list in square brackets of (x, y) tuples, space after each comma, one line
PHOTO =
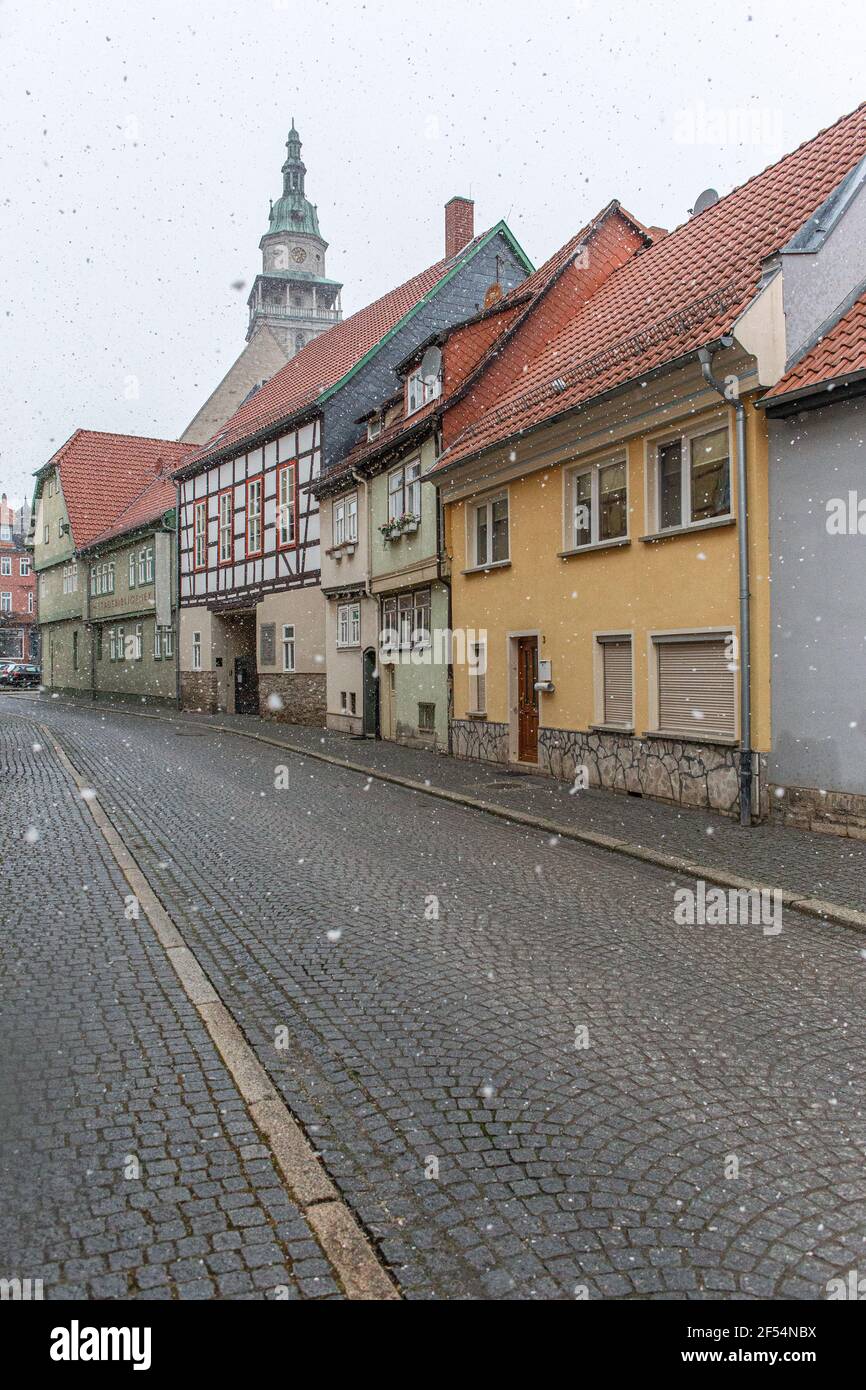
[(252, 616)]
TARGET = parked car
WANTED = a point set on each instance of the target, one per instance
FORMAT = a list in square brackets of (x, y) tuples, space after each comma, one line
[(20, 675)]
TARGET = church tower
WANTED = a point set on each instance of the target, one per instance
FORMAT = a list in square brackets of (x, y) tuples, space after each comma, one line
[(293, 295)]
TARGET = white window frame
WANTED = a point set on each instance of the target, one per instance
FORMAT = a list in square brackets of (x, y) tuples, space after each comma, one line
[(30, 601), (344, 520), (595, 469), (419, 392), (157, 643), (196, 651), (486, 504), (132, 569), (348, 625), (199, 557), (408, 490), (287, 520), (112, 644), (225, 527), (685, 438), (288, 645), (24, 567), (6, 601), (255, 488), (6, 565), (168, 642)]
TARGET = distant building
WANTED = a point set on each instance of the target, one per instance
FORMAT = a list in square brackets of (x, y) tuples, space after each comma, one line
[(19, 634), (291, 302), (104, 546)]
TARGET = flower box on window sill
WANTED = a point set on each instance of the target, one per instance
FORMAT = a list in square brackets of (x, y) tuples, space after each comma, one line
[(345, 548), (400, 526)]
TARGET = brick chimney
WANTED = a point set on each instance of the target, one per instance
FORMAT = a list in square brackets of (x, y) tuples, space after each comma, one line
[(459, 225)]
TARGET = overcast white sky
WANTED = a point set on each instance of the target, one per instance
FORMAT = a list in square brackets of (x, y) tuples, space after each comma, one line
[(143, 141)]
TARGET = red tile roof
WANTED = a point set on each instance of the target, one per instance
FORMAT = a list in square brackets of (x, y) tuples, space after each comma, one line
[(158, 496), (325, 360), (104, 475), (840, 354), (677, 295)]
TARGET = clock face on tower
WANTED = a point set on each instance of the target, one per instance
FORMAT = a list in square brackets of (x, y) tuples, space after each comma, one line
[(299, 255)]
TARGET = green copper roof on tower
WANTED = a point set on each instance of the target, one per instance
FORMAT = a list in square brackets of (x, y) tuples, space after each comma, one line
[(293, 212)]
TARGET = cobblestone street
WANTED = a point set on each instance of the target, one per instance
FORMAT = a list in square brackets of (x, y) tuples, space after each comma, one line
[(524, 1077)]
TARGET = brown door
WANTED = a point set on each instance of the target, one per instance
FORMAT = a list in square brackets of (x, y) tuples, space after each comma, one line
[(527, 699)]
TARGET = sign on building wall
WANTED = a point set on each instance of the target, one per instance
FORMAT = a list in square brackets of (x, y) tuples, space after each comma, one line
[(267, 644)]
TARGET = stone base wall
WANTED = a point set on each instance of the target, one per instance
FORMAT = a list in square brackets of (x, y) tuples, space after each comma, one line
[(691, 774), (198, 691), (302, 697), (479, 738), (809, 808)]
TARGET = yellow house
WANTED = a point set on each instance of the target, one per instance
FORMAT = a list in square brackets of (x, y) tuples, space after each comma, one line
[(596, 561), (606, 516)]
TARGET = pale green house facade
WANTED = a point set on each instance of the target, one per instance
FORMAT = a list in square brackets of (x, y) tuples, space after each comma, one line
[(407, 579), (104, 544)]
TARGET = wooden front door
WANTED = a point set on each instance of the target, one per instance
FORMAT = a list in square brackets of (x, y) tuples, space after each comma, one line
[(246, 685), (527, 699)]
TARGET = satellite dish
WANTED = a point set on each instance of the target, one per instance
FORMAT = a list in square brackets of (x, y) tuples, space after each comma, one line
[(431, 364), (705, 200)]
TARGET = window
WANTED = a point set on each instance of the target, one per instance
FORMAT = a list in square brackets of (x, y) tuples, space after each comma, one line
[(24, 566), (30, 602), (168, 641), (6, 601), (598, 504), (157, 644), (353, 702), (374, 427), (70, 578), (99, 643), (254, 516), (421, 618), (405, 609), (616, 683), (420, 390), (102, 578), (226, 526), (112, 644), (478, 677), (404, 491), (200, 545), (132, 570), (137, 645), (426, 719), (121, 644), (143, 576), (490, 531), (6, 564), (344, 702), (196, 651), (345, 520), (349, 625), (286, 520), (693, 479), (288, 647), (696, 686), (46, 532), (388, 638), (75, 651), (148, 564)]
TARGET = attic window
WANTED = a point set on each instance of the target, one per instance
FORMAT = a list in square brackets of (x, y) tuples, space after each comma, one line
[(374, 427), (421, 389)]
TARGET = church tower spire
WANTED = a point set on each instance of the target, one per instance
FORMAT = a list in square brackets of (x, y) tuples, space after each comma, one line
[(293, 295)]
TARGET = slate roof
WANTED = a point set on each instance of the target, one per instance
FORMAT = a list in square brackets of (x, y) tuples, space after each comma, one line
[(325, 360)]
